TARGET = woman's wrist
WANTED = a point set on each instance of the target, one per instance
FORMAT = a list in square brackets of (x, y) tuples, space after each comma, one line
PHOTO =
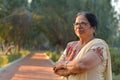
[(64, 65), (70, 67)]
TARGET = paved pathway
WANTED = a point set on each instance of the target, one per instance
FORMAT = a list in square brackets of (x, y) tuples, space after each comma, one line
[(36, 66)]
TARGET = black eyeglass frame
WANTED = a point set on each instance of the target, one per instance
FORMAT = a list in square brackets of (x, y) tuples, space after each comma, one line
[(82, 24)]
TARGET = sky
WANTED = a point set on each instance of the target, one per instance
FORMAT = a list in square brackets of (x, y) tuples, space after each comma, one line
[(117, 5), (29, 1)]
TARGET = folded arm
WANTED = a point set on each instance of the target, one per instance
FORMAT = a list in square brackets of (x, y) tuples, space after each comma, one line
[(87, 62)]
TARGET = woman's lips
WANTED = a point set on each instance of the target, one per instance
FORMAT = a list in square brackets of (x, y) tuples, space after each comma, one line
[(79, 30)]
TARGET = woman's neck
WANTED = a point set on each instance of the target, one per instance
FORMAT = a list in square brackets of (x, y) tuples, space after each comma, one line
[(84, 40)]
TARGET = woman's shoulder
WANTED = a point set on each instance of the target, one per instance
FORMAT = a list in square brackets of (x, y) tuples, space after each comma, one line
[(72, 42), (99, 41)]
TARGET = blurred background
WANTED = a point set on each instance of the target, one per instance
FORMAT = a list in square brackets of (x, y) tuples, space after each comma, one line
[(38, 25)]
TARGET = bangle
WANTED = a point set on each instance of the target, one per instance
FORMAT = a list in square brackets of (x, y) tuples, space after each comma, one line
[(65, 65)]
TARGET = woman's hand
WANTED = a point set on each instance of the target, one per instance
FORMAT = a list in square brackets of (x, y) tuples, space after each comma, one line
[(59, 65), (62, 72), (62, 69)]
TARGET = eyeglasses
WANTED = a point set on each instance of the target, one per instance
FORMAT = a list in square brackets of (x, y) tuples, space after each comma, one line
[(82, 24)]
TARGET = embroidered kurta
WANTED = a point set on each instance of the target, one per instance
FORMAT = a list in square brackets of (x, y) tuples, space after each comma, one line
[(99, 47)]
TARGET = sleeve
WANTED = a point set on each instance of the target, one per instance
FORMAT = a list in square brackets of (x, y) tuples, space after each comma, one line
[(64, 54), (66, 51), (100, 50)]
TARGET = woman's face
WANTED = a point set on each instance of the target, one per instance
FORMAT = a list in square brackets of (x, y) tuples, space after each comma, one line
[(82, 27)]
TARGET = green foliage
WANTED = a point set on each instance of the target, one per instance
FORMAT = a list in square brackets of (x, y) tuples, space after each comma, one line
[(23, 23), (53, 55), (4, 60), (116, 77), (13, 57), (15, 21), (59, 17), (115, 59), (24, 53)]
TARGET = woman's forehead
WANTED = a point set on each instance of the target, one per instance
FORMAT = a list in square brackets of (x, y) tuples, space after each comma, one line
[(81, 17)]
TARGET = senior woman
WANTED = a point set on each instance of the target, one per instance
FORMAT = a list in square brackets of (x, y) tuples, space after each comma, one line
[(89, 57)]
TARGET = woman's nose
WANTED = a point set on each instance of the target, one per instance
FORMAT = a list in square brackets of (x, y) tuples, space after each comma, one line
[(78, 26)]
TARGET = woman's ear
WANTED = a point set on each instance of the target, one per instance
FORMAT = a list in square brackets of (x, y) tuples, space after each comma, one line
[(94, 30)]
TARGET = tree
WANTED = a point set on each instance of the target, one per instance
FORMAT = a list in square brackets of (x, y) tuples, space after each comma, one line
[(15, 23), (59, 16), (52, 20)]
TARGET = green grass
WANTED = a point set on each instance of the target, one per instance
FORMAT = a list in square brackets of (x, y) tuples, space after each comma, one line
[(5, 59)]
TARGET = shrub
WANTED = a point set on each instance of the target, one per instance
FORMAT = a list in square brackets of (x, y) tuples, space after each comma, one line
[(115, 55), (24, 53), (116, 77), (53, 55), (13, 57), (3, 60)]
